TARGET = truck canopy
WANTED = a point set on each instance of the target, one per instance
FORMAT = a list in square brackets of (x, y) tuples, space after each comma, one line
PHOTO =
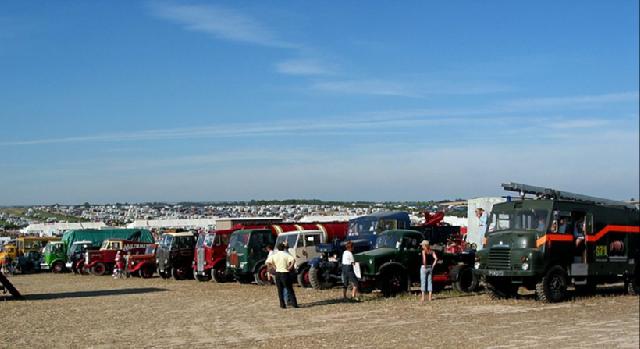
[(97, 236)]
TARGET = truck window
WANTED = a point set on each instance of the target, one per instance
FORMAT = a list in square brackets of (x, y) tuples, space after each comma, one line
[(223, 239), (312, 240), (210, 240), (387, 224)]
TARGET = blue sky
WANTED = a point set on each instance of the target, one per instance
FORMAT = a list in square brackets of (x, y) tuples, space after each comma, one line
[(186, 100)]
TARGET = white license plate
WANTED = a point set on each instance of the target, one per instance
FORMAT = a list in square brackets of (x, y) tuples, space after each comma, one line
[(496, 272)]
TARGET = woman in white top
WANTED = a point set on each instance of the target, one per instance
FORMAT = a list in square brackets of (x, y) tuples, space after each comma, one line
[(348, 276)]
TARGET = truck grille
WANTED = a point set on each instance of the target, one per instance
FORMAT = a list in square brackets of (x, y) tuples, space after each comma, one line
[(500, 258)]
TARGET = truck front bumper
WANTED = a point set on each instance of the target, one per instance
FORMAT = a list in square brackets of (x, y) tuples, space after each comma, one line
[(44, 266)]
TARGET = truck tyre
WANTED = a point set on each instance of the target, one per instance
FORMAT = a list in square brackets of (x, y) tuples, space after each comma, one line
[(146, 272), (261, 276), (466, 281), (553, 286), (393, 282), (165, 274), (98, 269), (57, 267), (219, 274), (318, 281), (203, 278), (180, 273), (501, 289), (303, 277)]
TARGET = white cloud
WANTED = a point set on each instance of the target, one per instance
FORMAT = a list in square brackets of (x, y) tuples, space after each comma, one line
[(223, 23), (303, 67), (365, 87), (582, 101)]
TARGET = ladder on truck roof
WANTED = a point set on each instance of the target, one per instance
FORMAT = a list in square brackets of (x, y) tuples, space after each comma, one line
[(6, 285), (561, 195)]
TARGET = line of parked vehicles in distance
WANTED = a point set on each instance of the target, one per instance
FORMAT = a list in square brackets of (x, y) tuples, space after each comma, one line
[(523, 248)]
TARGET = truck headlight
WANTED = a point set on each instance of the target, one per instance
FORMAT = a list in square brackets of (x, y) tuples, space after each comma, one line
[(525, 266), (476, 265), (370, 261)]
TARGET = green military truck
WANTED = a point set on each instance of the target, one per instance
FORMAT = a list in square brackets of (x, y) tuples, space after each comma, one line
[(57, 256), (246, 254), (556, 240), (393, 266)]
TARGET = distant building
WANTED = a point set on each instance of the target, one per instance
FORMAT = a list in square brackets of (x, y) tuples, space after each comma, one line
[(54, 229)]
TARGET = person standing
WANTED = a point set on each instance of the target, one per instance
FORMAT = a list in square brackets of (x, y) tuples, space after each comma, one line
[(348, 275), (482, 222), (429, 260), (283, 262)]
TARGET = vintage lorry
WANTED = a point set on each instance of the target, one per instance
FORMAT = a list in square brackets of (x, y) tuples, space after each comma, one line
[(246, 254), (143, 264), (393, 266), (255, 261), (556, 240), (25, 256), (302, 246), (101, 262), (174, 255), (59, 257), (211, 255), (325, 270)]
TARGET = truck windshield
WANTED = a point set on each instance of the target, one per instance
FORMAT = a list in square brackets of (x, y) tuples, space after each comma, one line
[(201, 238), (238, 240), (362, 226), (288, 240), (524, 219), (151, 249), (387, 241), (166, 241), (53, 248)]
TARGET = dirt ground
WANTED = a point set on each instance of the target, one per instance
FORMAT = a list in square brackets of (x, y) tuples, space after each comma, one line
[(100, 312)]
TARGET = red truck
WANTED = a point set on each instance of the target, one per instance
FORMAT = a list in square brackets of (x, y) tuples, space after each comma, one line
[(143, 265), (102, 261), (211, 249)]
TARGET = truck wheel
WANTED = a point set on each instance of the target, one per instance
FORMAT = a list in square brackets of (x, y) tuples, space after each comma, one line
[(57, 267), (318, 280), (205, 277), (467, 280), (262, 276), (303, 278), (501, 289), (219, 274), (98, 269), (553, 286), (165, 274), (180, 273), (146, 272), (393, 282)]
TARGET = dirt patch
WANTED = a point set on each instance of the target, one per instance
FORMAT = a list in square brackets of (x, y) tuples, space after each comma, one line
[(100, 312)]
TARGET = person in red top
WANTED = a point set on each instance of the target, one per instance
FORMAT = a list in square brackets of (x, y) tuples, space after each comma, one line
[(429, 260)]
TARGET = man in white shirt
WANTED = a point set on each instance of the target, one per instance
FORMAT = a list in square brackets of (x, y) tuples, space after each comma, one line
[(348, 275), (283, 262)]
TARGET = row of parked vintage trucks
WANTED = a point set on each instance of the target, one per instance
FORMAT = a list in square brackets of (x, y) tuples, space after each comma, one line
[(523, 248)]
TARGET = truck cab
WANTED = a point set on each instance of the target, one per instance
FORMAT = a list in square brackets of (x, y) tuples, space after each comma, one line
[(102, 261), (75, 255), (211, 254), (557, 240), (246, 254), (394, 263), (174, 256), (55, 257), (325, 270), (302, 246), (144, 264)]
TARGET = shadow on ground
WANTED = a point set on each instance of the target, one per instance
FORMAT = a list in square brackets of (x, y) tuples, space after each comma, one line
[(86, 294)]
